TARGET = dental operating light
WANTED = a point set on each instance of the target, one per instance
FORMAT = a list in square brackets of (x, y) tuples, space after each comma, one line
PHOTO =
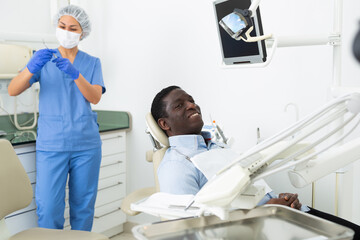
[(239, 24)]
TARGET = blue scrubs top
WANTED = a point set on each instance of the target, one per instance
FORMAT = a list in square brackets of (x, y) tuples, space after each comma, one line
[(66, 121)]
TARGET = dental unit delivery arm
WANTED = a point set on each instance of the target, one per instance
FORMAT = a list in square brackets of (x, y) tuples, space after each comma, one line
[(323, 129)]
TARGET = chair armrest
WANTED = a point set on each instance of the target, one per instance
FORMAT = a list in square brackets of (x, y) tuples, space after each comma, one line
[(134, 197)]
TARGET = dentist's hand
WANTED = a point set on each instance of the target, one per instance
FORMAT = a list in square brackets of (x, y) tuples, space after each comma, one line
[(65, 65), (40, 58)]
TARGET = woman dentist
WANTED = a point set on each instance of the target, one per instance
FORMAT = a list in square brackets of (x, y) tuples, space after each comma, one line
[(68, 141)]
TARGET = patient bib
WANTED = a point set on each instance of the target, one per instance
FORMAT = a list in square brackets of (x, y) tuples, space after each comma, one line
[(212, 161)]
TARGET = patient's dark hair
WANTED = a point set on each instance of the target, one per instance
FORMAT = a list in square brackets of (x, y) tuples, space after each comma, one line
[(158, 106)]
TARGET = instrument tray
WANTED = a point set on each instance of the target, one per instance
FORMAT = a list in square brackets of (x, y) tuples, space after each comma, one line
[(268, 222)]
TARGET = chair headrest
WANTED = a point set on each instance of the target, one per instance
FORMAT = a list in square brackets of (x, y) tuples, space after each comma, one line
[(156, 131)]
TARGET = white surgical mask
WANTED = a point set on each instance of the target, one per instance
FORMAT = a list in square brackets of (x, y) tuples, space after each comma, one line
[(67, 39)]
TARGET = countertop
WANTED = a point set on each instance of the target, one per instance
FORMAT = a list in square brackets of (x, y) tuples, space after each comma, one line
[(107, 120)]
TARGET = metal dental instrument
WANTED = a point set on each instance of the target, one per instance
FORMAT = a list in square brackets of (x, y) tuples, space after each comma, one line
[(181, 207), (189, 205), (48, 48)]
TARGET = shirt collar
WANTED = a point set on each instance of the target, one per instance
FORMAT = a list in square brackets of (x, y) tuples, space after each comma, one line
[(189, 142)]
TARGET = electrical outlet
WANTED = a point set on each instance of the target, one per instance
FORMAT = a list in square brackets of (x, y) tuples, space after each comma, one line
[(4, 84)]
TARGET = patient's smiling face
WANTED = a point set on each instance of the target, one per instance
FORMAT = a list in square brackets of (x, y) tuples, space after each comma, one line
[(183, 114)]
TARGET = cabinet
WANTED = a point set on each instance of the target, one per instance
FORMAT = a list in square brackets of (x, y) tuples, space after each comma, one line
[(108, 218)]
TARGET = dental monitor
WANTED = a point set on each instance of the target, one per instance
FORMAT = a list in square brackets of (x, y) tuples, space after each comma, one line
[(234, 51)]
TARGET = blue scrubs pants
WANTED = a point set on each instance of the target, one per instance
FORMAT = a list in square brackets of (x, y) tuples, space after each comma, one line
[(52, 170)]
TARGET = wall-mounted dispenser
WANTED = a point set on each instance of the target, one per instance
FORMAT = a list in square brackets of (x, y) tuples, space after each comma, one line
[(13, 58)]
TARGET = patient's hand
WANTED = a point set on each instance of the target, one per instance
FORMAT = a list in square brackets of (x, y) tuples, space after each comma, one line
[(287, 199)]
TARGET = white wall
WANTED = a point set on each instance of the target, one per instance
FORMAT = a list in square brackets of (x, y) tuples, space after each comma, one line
[(152, 44), (145, 46)]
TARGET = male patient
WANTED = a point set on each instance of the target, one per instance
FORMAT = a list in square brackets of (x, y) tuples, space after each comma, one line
[(180, 118)]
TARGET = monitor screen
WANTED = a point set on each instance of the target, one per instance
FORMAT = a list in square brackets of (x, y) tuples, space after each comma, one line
[(234, 51)]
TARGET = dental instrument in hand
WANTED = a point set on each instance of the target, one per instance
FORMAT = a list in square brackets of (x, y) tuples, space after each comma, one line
[(48, 48)]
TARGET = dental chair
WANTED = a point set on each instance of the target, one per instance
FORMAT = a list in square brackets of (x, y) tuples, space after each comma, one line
[(16, 193), (160, 143)]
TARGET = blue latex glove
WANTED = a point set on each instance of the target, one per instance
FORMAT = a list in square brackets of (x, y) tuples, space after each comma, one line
[(65, 65), (40, 58)]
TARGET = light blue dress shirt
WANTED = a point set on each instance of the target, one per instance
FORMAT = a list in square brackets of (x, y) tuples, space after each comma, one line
[(178, 175)]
